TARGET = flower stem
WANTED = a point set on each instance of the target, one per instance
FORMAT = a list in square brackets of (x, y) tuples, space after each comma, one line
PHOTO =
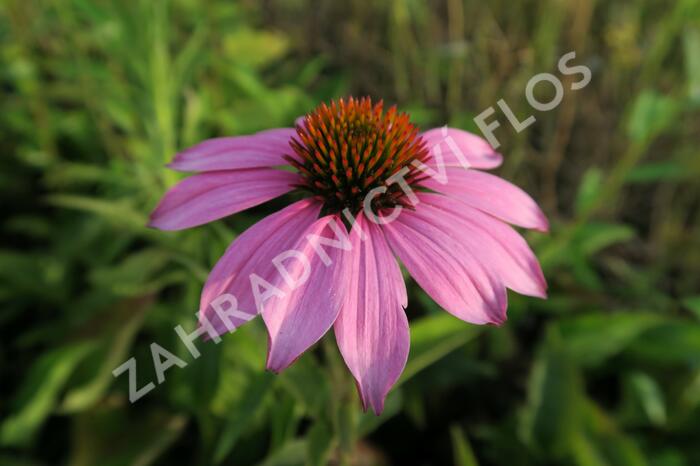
[(342, 403)]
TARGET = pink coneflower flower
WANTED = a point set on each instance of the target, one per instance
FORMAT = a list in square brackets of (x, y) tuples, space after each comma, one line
[(400, 193)]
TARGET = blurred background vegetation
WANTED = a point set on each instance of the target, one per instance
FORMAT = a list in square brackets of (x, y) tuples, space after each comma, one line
[(97, 95)]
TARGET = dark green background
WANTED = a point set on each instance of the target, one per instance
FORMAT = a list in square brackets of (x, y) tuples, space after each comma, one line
[(96, 96)]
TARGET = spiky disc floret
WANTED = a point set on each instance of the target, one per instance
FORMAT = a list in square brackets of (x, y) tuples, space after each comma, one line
[(346, 149)]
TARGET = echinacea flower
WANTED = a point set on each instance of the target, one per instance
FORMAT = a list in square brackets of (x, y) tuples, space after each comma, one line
[(376, 189)]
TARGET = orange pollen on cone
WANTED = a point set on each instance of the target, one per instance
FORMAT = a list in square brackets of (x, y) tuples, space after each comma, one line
[(346, 149)]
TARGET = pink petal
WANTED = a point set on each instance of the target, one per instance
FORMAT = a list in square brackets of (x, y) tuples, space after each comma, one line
[(263, 149), (372, 329), (492, 195), (205, 197), (494, 243), (252, 252), (455, 142), (445, 268), (304, 314)]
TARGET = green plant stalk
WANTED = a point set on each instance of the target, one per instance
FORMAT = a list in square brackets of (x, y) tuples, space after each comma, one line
[(342, 402), (162, 91)]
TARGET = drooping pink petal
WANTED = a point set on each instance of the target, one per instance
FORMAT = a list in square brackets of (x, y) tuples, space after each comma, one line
[(454, 144), (252, 253), (372, 329), (312, 296), (494, 243), (445, 269), (263, 149), (205, 197), (492, 195)]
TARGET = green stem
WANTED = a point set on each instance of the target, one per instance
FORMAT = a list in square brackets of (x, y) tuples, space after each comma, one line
[(343, 402)]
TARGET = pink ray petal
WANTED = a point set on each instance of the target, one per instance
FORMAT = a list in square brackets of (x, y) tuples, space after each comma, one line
[(492, 195), (372, 329), (445, 269), (305, 313), (453, 142), (252, 252), (263, 149), (496, 245), (205, 197)]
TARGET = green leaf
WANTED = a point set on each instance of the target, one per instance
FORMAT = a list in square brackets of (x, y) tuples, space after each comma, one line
[(432, 338), (691, 49), (116, 348), (243, 413), (40, 391), (588, 189), (650, 397), (654, 172), (585, 452), (137, 274), (75, 174), (673, 342), (592, 338), (320, 440), (608, 444), (140, 441), (283, 420), (595, 236), (461, 449), (368, 422), (254, 48), (651, 114), (552, 415), (693, 304), (121, 214), (291, 454), (307, 382)]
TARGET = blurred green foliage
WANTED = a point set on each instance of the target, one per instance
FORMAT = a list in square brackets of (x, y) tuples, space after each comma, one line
[(97, 95)]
